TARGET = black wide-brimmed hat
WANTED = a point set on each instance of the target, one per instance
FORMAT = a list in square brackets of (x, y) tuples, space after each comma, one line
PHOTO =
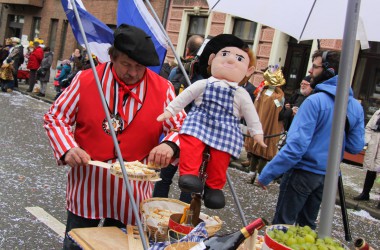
[(214, 46), (136, 44)]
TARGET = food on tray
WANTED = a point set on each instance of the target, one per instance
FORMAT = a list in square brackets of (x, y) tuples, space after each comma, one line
[(157, 211), (135, 170), (153, 165), (161, 215)]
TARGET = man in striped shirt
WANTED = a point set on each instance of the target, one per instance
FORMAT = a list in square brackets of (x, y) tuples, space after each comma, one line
[(78, 131)]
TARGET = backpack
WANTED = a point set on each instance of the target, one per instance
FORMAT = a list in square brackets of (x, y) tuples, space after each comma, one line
[(191, 67), (21, 55)]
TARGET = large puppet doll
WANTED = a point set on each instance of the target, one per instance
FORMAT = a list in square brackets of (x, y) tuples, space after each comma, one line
[(213, 121)]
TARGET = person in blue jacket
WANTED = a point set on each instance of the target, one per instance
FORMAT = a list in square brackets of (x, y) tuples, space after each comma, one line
[(303, 159), (65, 69)]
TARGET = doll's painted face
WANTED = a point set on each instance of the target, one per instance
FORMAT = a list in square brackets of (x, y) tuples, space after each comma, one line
[(231, 64)]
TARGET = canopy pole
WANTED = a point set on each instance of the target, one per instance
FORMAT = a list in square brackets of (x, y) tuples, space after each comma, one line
[(113, 134), (340, 111), (233, 192), (169, 42)]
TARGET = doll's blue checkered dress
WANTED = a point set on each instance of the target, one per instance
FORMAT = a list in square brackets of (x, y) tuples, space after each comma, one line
[(213, 121)]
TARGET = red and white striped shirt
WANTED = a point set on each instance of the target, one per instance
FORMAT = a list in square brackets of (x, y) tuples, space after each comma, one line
[(92, 192)]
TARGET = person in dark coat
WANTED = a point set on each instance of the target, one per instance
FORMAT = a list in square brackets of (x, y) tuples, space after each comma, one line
[(250, 88), (4, 51), (291, 106), (44, 70), (17, 55)]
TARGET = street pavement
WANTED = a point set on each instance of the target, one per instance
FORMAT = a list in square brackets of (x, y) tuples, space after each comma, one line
[(31, 180)]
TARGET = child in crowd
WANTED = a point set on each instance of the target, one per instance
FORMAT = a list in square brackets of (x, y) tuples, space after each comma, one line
[(6, 76)]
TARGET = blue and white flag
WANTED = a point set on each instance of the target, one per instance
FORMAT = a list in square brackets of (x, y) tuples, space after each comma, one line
[(99, 36), (134, 12)]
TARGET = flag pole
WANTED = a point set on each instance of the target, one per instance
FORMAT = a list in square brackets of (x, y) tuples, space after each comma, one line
[(169, 42), (113, 134)]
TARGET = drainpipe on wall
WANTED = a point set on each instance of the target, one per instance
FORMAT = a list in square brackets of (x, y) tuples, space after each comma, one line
[(1, 13), (166, 12)]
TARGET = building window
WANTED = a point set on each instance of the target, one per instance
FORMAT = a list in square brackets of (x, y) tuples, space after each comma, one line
[(35, 33), (63, 39), (17, 19), (366, 83), (197, 26), (53, 33), (245, 30), (15, 25)]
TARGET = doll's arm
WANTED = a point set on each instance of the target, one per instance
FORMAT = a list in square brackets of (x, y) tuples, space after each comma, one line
[(251, 117), (182, 100)]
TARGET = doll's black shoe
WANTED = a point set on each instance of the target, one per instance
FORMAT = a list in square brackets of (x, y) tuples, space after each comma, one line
[(214, 198), (190, 183)]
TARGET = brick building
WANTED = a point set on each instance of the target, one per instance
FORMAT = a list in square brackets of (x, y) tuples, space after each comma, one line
[(183, 18)]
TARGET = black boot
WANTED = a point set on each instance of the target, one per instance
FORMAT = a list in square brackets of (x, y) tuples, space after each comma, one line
[(214, 198), (253, 168), (368, 184), (190, 183), (261, 164)]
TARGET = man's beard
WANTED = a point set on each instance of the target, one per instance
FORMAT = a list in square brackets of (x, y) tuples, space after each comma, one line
[(319, 78)]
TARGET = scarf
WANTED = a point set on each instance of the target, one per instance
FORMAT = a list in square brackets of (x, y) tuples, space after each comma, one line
[(124, 89)]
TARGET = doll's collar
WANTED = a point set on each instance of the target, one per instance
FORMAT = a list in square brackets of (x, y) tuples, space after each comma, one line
[(232, 84)]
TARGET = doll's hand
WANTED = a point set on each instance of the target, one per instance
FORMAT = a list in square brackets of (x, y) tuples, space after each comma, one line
[(260, 140), (164, 116)]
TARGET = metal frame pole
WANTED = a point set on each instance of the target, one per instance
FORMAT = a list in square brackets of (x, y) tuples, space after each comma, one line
[(169, 42), (241, 213), (342, 200), (113, 134), (340, 110)]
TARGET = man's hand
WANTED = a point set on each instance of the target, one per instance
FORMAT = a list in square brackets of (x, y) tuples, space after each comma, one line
[(295, 110), (260, 140), (259, 184), (76, 157), (164, 116), (161, 155)]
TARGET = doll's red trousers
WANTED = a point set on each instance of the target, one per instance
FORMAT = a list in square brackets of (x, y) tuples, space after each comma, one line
[(191, 154)]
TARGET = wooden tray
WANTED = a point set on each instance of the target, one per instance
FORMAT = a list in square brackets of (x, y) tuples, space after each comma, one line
[(102, 238)]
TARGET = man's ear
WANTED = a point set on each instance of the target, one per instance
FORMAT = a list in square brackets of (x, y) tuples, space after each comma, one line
[(250, 71), (212, 56)]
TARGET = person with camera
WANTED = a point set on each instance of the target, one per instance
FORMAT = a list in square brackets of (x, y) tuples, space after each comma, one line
[(303, 159), (43, 73)]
